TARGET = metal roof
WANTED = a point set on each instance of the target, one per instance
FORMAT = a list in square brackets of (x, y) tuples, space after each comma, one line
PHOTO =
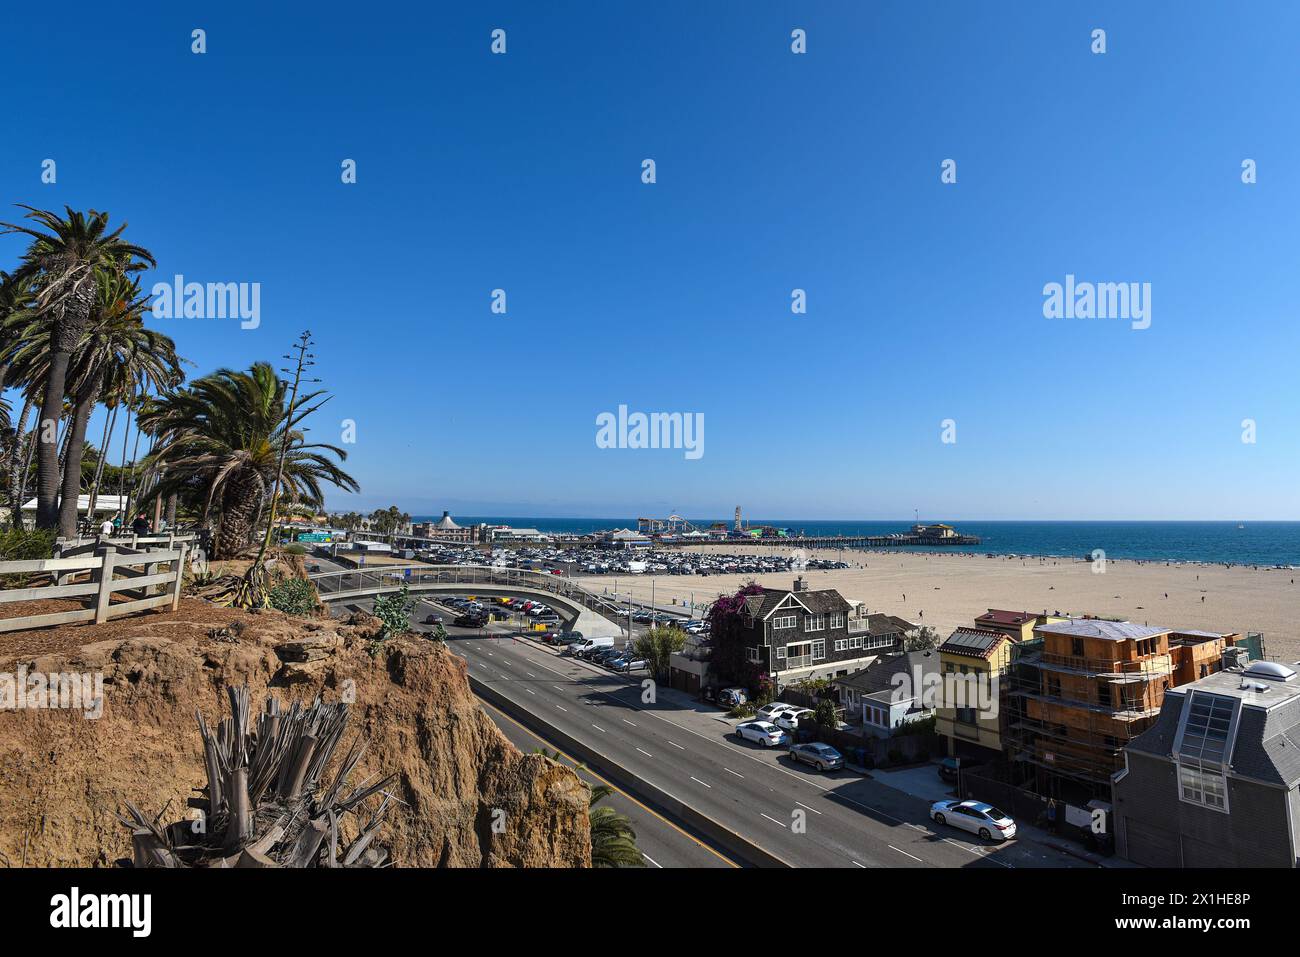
[(1101, 628)]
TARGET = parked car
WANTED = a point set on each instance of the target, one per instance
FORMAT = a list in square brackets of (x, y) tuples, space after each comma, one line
[(948, 768), (770, 711), (975, 816), (630, 663), (821, 756), (731, 697), (588, 645), (762, 732), (789, 719)]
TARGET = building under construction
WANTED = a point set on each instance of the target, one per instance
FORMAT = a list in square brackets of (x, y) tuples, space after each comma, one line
[(1082, 688)]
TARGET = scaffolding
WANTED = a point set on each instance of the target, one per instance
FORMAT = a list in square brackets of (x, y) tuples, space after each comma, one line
[(1068, 718)]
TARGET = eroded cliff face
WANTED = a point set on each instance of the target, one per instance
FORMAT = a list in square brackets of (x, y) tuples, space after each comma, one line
[(64, 778)]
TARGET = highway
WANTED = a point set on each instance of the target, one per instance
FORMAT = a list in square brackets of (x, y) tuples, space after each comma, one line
[(807, 818)]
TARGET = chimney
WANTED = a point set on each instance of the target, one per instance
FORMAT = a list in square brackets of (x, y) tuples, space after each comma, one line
[(800, 584)]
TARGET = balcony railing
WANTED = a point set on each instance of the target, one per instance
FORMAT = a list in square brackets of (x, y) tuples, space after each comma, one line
[(798, 661)]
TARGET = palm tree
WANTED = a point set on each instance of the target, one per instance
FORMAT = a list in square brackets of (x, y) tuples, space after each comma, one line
[(224, 434), (61, 265), (613, 842), (116, 357)]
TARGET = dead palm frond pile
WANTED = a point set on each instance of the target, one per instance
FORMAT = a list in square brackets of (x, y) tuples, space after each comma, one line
[(267, 803)]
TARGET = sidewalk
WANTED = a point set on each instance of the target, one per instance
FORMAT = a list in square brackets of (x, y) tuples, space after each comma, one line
[(924, 782)]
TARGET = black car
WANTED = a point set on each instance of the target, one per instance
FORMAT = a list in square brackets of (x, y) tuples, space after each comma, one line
[(470, 621)]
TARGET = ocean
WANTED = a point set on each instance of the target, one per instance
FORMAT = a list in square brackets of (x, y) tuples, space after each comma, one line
[(1254, 543)]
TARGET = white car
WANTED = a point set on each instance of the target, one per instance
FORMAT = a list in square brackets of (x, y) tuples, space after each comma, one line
[(769, 711), (789, 719), (762, 732), (975, 816)]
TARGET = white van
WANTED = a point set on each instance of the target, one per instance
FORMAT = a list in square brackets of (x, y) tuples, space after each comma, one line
[(588, 645)]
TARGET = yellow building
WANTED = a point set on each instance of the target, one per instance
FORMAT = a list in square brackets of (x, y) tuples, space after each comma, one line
[(1016, 625), (972, 662)]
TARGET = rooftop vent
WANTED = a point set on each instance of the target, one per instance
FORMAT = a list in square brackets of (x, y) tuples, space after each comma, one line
[(1269, 671)]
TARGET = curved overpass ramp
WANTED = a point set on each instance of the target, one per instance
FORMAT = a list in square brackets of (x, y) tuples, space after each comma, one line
[(590, 614)]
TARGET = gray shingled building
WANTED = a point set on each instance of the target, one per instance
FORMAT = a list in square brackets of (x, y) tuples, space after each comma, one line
[(1213, 783)]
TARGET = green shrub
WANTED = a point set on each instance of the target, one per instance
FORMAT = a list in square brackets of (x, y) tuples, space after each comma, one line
[(394, 612), (19, 545), (746, 710), (295, 549), (294, 596)]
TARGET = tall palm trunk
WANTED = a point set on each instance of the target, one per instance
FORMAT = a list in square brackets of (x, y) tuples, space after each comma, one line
[(171, 510), (76, 450), (240, 503), (68, 327), (110, 424), (47, 442), (17, 476)]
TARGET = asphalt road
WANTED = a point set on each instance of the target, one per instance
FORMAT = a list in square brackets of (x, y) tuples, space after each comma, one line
[(807, 818)]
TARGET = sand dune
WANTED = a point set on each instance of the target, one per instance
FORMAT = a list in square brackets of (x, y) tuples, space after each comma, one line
[(947, 590)]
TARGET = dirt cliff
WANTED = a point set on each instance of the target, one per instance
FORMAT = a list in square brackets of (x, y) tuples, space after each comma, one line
[(64, 778)]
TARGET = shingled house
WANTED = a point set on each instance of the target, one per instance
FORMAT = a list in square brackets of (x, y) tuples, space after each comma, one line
[(1215, 781), (798, 633)]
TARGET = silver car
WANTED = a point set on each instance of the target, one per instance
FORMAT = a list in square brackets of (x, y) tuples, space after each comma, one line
[(821, 756), (975, 816)]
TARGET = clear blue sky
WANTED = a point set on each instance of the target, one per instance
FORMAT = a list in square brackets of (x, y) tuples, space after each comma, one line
[(775, 171)]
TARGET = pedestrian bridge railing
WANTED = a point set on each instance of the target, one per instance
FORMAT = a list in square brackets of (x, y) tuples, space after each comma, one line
[(360, 581)]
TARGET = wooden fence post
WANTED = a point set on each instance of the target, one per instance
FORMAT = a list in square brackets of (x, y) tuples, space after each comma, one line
[(109, 554), (180, 575)]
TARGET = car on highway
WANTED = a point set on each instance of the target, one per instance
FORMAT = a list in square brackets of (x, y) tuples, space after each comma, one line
[(432, 619), (470, 621), (789, 719), (762, 732), (975, 816), (819, 755)]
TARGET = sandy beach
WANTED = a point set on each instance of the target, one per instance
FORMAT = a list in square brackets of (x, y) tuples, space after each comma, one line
[(947, 590)]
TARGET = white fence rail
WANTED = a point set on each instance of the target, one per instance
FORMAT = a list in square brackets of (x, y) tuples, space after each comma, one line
[(97, 578)]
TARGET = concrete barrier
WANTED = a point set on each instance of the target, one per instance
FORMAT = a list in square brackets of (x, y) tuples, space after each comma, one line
[(745, 851)]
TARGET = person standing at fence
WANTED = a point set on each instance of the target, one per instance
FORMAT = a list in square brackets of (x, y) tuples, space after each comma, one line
[(141, 525), (106, 527)]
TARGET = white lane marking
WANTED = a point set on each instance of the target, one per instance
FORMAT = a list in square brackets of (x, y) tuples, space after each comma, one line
[(562, 708), (625, 721), (530, 691), (698, 781), (772, 819), (736, 773), (904, 853), (676, 745), (557, 687), (599, 728), (530, 674), (813, 809), (863, 866), (652, 860), (646, 753)]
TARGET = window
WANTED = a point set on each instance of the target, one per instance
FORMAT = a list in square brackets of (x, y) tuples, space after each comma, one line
[(818, 650), (967, 716), (814, 622), (880, 641), (837, 619), (752, 654), (855, 642), (1076, 647), (841, 644), (785, 621), (1203, 748), (780, 653)]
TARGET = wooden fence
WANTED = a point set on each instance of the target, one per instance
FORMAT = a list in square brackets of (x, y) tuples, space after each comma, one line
[(95, 575)]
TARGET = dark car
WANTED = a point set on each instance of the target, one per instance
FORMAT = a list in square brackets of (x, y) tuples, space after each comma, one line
[(948, 768), (433, 619), (470, 621)]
